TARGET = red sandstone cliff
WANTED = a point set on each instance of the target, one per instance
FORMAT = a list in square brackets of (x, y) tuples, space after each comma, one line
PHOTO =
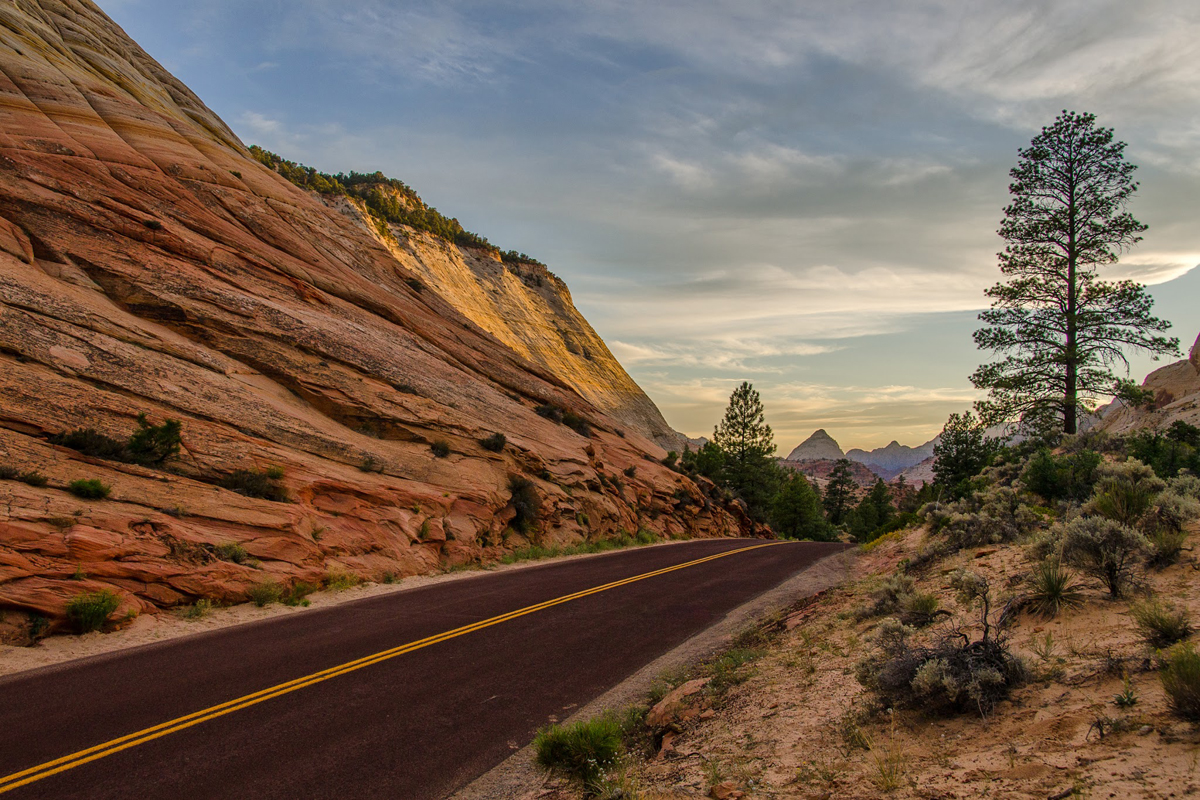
[(148, 265)]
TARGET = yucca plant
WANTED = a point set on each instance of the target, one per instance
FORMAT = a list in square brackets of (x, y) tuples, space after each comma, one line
[(1053, 588)]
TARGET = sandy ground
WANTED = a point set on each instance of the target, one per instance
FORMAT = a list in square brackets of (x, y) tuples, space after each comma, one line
[(150, 628), (797, 728)]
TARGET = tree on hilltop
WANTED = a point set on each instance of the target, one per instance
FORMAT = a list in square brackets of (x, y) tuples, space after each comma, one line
[(1062, 328)]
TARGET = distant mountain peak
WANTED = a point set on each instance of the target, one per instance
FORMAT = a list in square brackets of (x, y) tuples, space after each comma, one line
[(820, 445)]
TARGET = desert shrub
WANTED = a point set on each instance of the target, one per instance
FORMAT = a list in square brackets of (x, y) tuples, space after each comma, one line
[(1181, 680), (341, 581), (526, 503), (370, 464), (956, 672), (91, 442), (630, 471), (440, 448), (1105, 549), (645, 537), (494, 443), (8, 472), (295, 596), (199, 609), (583, 752), (886, 598), (265, 593), (263, 484), (90, 610), (550, 412), (1185, 485), (1170, 512), (1165, 547), (153, 444), (1052, 588), (1160, 624), (994, 515), (1124, 491), (1065, 477), (919, 609), (33, 478), (232, 551), (89, 489)]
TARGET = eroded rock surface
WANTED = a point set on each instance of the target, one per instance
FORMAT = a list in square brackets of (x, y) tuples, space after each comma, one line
[(148, 265)]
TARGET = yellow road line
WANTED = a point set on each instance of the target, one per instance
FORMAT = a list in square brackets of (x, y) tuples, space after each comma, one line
[(27, 776)]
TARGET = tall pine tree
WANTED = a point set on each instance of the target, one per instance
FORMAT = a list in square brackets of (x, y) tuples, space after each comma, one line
[(748, 444), (1062, 328)]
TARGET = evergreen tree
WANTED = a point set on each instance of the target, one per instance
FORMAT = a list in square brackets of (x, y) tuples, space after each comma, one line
[(746, 440), (1063, 329), (873, 512), (840, 492), (962, 452), (796, 511)]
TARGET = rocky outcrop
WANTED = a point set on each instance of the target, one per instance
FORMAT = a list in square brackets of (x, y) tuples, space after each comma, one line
[(149, 266), (820, 445), (526, 307), (1176, 396), (819, 469)]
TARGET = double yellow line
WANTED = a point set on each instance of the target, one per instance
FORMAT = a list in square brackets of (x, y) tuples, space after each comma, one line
[(41, 771)]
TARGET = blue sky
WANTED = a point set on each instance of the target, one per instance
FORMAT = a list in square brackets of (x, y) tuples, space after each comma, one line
[(799, 194)]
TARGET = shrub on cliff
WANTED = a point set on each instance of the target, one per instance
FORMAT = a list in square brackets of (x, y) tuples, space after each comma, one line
[(90, 610), (150, 445), (263, 484), (89, 489), (440, 448), (526, 503), (494, 443)]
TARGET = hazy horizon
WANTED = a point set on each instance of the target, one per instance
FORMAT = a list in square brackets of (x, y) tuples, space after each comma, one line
[(804, 196)]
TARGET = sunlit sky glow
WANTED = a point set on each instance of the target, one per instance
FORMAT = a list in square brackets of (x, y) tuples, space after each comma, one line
[(799, 194)]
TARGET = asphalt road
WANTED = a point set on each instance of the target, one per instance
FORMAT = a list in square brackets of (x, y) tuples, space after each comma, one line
[(397, 722)]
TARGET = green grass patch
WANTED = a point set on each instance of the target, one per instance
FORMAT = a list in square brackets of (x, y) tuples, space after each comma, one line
[(584, 752), (89, 489), (232, 551)]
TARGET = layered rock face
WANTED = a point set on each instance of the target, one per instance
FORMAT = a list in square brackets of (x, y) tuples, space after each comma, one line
[(888, 462), (528, 308), (149, 266)]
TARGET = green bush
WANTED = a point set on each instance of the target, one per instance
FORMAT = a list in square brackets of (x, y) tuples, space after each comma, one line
[(1181, 680), (265, 593), (1168, 454), (153, 444), (90, 610), (199, 609), (1160, 624), (526, 503), (1066, 477), (89, 489), (583, 752), (232, 551), (440, 448), (91, 442), (494, 443), (1052, 588), (1165, 547), (919, 609), (262, 484), (1105, 549)]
